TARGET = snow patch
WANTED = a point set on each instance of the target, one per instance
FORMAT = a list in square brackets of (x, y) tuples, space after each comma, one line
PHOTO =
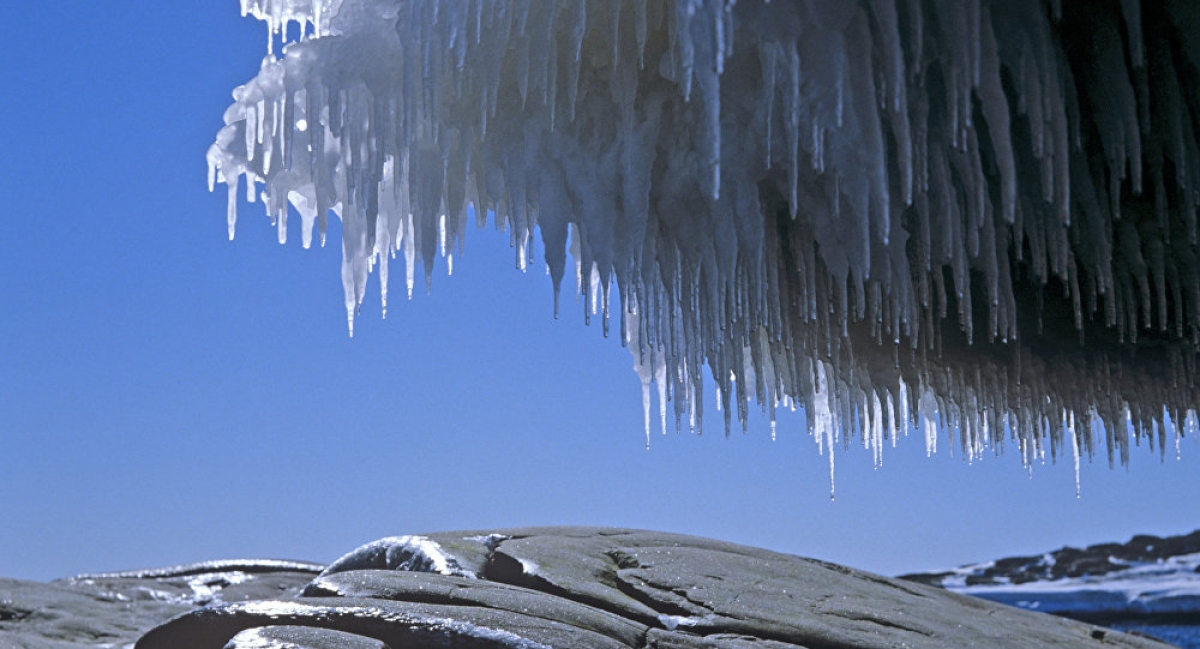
[(528, 567), (207, 587), (671, 622), (491, 541), (285, 609), (254, 639)]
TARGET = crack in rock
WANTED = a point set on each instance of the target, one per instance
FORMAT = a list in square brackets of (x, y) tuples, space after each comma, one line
[(532, 588)]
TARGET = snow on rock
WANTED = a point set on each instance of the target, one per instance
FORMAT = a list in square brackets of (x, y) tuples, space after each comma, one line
[(198, 584), (605, 588), (412, 553), (245, 566), (597, 588), (112, 609), (293, 637), (672, 622), (978, 210)]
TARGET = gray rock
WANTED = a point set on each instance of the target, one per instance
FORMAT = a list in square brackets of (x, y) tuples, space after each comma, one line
[(659, 639), (701, 587), (399, 624), (114, 609), (599, 587), (65, 616), (570, 587), (435, 589)]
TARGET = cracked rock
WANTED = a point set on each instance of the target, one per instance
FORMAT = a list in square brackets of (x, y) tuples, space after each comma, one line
[(580, 587)]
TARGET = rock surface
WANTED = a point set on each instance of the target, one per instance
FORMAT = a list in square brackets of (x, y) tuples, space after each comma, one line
[(113, 609), (567, 587)]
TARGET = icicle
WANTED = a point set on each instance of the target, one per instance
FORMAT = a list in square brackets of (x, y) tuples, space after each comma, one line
[(1018, 173), (231, 207), (1068, 422), (877, 428), (823, 420), (929, 421)]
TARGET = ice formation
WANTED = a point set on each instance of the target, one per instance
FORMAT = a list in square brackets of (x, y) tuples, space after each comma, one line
[(975, 218)]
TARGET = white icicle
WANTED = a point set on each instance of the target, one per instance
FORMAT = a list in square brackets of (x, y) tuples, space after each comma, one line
[(658, 143)]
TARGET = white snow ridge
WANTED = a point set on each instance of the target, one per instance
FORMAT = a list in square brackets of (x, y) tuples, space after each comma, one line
[(411, 553), (958, 216)]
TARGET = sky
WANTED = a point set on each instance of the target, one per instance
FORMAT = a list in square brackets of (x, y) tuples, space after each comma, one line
[(168, 396)]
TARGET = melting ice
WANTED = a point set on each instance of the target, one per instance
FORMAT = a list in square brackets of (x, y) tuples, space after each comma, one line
[(975, 219)]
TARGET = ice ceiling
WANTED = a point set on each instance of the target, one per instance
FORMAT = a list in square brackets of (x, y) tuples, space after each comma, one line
[(974, 219)]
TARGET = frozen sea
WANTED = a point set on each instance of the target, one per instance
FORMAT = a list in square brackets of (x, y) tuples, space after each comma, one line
[(1158, 598)]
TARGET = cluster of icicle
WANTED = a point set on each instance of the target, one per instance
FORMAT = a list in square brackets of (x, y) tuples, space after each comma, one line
[(865, 209)]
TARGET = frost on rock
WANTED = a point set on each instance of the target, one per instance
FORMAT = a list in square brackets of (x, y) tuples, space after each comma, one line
[(971, 217)]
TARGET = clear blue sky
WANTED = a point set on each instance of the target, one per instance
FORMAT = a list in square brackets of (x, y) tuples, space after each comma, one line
[(167, 395)]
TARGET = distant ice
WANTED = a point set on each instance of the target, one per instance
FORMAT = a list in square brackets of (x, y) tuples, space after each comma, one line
[(1153, 588)]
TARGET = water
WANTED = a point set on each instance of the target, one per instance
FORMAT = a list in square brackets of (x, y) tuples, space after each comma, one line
[(1181, 635)]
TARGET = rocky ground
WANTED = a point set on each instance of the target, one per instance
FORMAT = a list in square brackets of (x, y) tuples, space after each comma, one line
[(1149, 583), (1067, 563), (114, 609), (591, 588)]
